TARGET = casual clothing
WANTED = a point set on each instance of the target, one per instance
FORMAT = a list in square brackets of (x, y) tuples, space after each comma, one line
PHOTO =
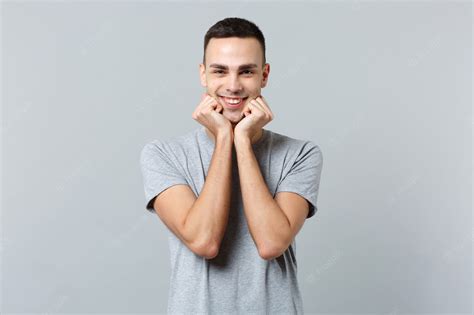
[(237, 280)]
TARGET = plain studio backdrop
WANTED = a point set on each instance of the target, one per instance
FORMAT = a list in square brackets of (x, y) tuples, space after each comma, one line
[(384, 88)]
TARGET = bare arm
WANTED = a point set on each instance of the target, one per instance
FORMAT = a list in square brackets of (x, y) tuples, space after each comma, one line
[(207, 219), (268, 225), (200, 222)]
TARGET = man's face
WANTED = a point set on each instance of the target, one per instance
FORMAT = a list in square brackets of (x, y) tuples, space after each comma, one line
[(227, 73)]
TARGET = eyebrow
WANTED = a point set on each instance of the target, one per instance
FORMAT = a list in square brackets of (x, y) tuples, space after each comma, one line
[(246, 66)]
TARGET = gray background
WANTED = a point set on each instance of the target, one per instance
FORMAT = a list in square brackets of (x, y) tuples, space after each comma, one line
[(383, 87)]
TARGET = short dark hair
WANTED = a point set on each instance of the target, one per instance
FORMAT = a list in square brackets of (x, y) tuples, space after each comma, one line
[(234, 27)]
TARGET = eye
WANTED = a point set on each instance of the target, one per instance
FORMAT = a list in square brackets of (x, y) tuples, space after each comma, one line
[(248, 71), (217, 71)]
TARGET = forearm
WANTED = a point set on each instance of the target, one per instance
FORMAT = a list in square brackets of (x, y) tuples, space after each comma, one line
[(207, 219), (267, 223)]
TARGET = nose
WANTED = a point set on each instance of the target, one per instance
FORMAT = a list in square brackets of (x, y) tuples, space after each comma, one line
[(233, 85)]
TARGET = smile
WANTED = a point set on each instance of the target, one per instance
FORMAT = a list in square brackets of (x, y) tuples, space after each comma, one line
[(233, 102)]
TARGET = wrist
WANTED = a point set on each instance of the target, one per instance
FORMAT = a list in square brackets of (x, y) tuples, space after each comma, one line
[(225, 134), (241, 140)]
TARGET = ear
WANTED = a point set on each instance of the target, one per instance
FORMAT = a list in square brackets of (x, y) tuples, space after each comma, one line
[(266, 72), (202, 75)]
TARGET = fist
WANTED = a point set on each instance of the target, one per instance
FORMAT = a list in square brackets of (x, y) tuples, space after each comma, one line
[(209, 114)]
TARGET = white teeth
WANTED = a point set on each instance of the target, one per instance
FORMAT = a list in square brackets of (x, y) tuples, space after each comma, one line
[(232, 100)]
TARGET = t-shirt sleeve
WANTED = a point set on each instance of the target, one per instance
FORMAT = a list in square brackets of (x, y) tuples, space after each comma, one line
[(159, 172), (304, 175)]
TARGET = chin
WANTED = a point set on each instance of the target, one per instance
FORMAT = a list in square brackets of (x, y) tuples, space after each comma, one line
[(234, 117)]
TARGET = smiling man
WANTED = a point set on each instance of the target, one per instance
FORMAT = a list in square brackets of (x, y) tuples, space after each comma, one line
[(235, 73), (232, 194)]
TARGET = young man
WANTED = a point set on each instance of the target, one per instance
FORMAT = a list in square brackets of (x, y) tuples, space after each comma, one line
[(232, 194)]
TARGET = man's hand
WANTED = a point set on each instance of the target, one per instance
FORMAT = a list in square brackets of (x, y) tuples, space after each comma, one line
[(208, 113), (257, 115)]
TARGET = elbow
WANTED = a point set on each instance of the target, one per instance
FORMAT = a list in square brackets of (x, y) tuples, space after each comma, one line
[(274, 247), (211, 253), (268, 255), (270, 252), (207, 251), (205, 247)]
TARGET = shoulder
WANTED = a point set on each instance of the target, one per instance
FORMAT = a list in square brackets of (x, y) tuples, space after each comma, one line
[(170, 144), (297, 145)]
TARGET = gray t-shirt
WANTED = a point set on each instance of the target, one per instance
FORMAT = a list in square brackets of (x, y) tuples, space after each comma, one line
[(237, 280)]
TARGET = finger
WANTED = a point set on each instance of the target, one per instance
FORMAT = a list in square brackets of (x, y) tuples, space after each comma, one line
[(203, 102), (257, 106), (213, 100), (206, 106), (212, 107), (247, 110), (260, 105), (219, 108), (251, 109), (215, 105), (264, 105), (208, 102)]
